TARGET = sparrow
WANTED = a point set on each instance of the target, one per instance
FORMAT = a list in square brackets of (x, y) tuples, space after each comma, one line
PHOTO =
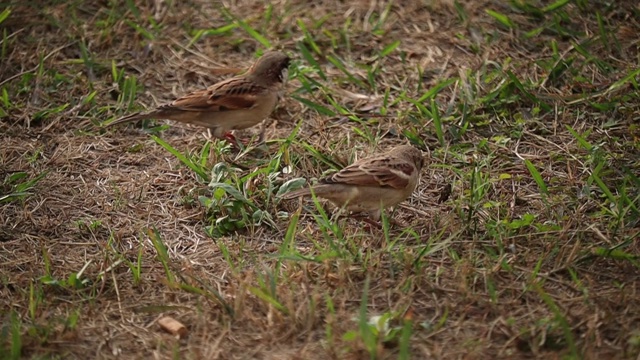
[(233, 104), (370, 184)]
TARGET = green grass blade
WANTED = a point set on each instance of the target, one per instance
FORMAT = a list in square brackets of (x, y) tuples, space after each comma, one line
[(555, 6), (363, 319), (564, 324), (183, 159), (516, 82), (338, 63), (581, 139), (320, 109), (389, 48), (435, 90), (309, 37), (603, 187), (501, 18), (306, 54), (537, 177), (437, 122), (5, 14), (269, 299), (246, 27), (162, 252)]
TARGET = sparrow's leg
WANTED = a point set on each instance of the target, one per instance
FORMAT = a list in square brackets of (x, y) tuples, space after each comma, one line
[(263, 130)]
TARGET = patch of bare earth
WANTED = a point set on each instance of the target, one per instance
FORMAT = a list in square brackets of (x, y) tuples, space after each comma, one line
[(469, 285)]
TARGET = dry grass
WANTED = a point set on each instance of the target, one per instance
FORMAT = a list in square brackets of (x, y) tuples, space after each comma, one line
[(523, 238)]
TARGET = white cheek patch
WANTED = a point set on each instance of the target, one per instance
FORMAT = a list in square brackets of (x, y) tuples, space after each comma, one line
[(284, 76)]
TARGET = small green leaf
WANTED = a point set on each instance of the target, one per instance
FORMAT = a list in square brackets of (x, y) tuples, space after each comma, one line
[(350, 336), (235, 193), (291, 185)]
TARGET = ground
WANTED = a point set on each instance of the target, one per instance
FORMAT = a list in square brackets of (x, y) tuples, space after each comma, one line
[(521, 238)]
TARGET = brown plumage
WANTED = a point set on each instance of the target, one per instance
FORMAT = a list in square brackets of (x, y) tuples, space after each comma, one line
[(233, 104), (371, 184)]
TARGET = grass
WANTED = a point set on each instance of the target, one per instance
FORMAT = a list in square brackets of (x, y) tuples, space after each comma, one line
[(522, 236)]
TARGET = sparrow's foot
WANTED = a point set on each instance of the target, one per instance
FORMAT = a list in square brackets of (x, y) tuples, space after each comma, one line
[(365, 217), (398, 223), (372, 223), (230, 138), (238, 145)]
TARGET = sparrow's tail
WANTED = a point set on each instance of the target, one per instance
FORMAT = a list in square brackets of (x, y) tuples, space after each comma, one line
[(321, 190), (133, 117), (296, 193)]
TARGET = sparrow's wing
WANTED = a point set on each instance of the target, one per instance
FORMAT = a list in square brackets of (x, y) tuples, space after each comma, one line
[(380, 171), (232, 94)]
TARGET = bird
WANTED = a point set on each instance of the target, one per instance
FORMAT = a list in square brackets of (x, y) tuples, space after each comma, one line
[(371, 184), (236, 103)]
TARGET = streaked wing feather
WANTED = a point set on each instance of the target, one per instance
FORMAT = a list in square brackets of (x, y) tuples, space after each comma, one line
[(233, 94), (196, 101), (375, 172)]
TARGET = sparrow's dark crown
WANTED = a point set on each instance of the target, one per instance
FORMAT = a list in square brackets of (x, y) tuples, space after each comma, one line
[(271, 65)]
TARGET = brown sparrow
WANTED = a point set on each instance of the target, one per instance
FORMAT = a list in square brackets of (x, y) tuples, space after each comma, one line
[(371, 184), (233, 104)]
